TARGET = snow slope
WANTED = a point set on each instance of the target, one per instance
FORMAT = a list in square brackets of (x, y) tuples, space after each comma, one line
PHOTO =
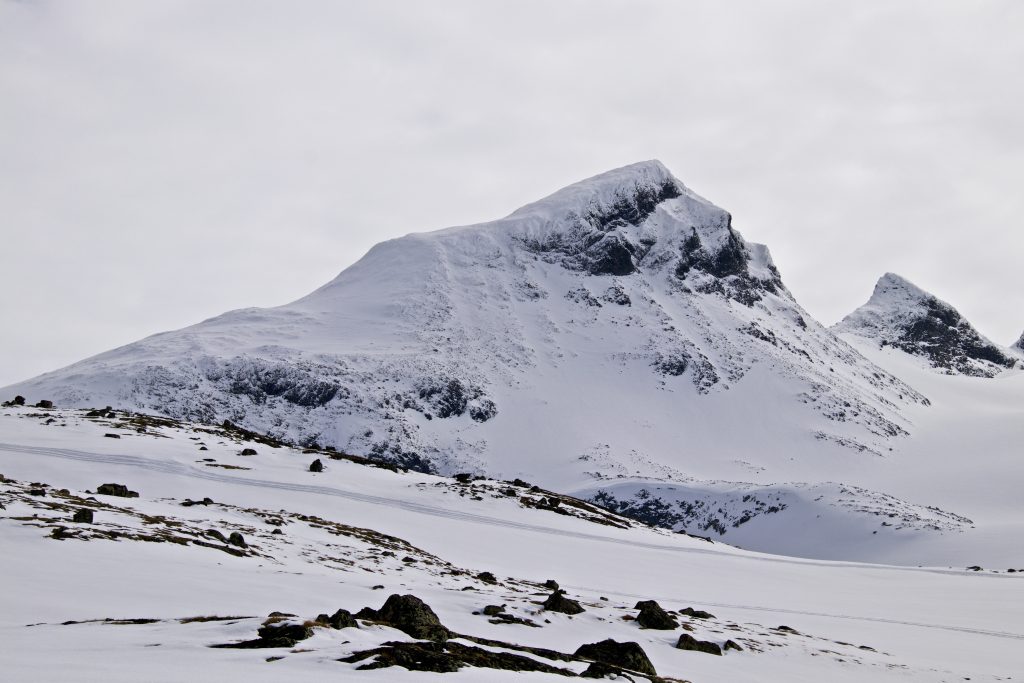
[(618, 339), (144, 590)]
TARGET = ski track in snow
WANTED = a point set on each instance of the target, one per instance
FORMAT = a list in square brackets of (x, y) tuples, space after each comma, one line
[(193, 472)]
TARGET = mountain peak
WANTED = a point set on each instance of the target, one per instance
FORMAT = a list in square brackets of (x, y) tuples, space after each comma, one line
[(902, 315)]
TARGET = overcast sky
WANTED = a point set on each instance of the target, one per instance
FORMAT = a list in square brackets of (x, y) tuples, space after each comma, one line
[(162, 162)]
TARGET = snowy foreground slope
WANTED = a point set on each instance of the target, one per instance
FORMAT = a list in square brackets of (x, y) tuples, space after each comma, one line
[(620, 341), (147, 587)]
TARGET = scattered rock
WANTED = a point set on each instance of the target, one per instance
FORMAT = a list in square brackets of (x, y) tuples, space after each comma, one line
[(236, 539), (486, 577), (316, 466), (493, 610), (19, 400), (83, 516), (42, 404), (274, 633), (112, 436), (629, 656), (696, 613), (653, 616), (213, 533), (119, 490), (551, 584), (732, 645), (688, 642), (277, 532), (557, 602), (37, 492), (247, 451)]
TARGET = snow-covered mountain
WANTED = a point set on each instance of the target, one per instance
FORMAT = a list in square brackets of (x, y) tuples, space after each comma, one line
[(906, 317), (618, 339)]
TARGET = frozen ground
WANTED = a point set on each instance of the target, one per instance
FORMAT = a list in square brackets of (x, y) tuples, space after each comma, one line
[(353, 527)]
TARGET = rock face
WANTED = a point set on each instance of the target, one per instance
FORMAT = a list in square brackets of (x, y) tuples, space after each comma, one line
[(902, 315), (628, 656)]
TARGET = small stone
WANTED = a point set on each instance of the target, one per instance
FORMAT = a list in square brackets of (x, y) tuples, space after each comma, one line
[(236, 539), (696, 613), (112, 436), (82, 516), (42, 404), (487, 577), (277, 532), (247, 451), (493, 610), (316, 466)]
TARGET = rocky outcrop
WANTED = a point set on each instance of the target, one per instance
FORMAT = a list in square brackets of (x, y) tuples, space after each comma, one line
[(903, 316), (629, 655)]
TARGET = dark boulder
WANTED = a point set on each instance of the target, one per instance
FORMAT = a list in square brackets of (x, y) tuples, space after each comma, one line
[(732, 645), (688, 642), (247, 451), (44, 404), (653, 616), (551, 584), (493, 610), (82, 516), (290, 631), (557, 602), (119, 490), (19, 400), (697, 613), (316, 466), (486, 577), (236, 539), (629, 656), (410, 615), (446, 657), (342, 619)]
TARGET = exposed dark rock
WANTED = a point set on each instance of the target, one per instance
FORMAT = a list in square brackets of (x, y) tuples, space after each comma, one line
[(629, 656), (213, 533), (342, 619), (119, 490), (37, 492), (410, 615), (653, 616), (493, 610), (732, 645), (19, 400), (688, 642), (697, 613), (602, 670), (487, 577), (83, 516), (316, 466), (247, 451), (43, 404), (236, 539), (447, 657), (551, 584), (112, 436), (273, 634), (557, 602)]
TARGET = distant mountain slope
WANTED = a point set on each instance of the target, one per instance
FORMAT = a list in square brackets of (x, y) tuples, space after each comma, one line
[(904, 316)]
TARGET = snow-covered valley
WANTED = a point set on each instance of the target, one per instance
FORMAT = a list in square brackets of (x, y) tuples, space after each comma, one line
[(143, 580)]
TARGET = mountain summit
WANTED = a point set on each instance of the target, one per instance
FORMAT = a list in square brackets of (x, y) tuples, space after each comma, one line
[(902, 315), (617, 332)]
